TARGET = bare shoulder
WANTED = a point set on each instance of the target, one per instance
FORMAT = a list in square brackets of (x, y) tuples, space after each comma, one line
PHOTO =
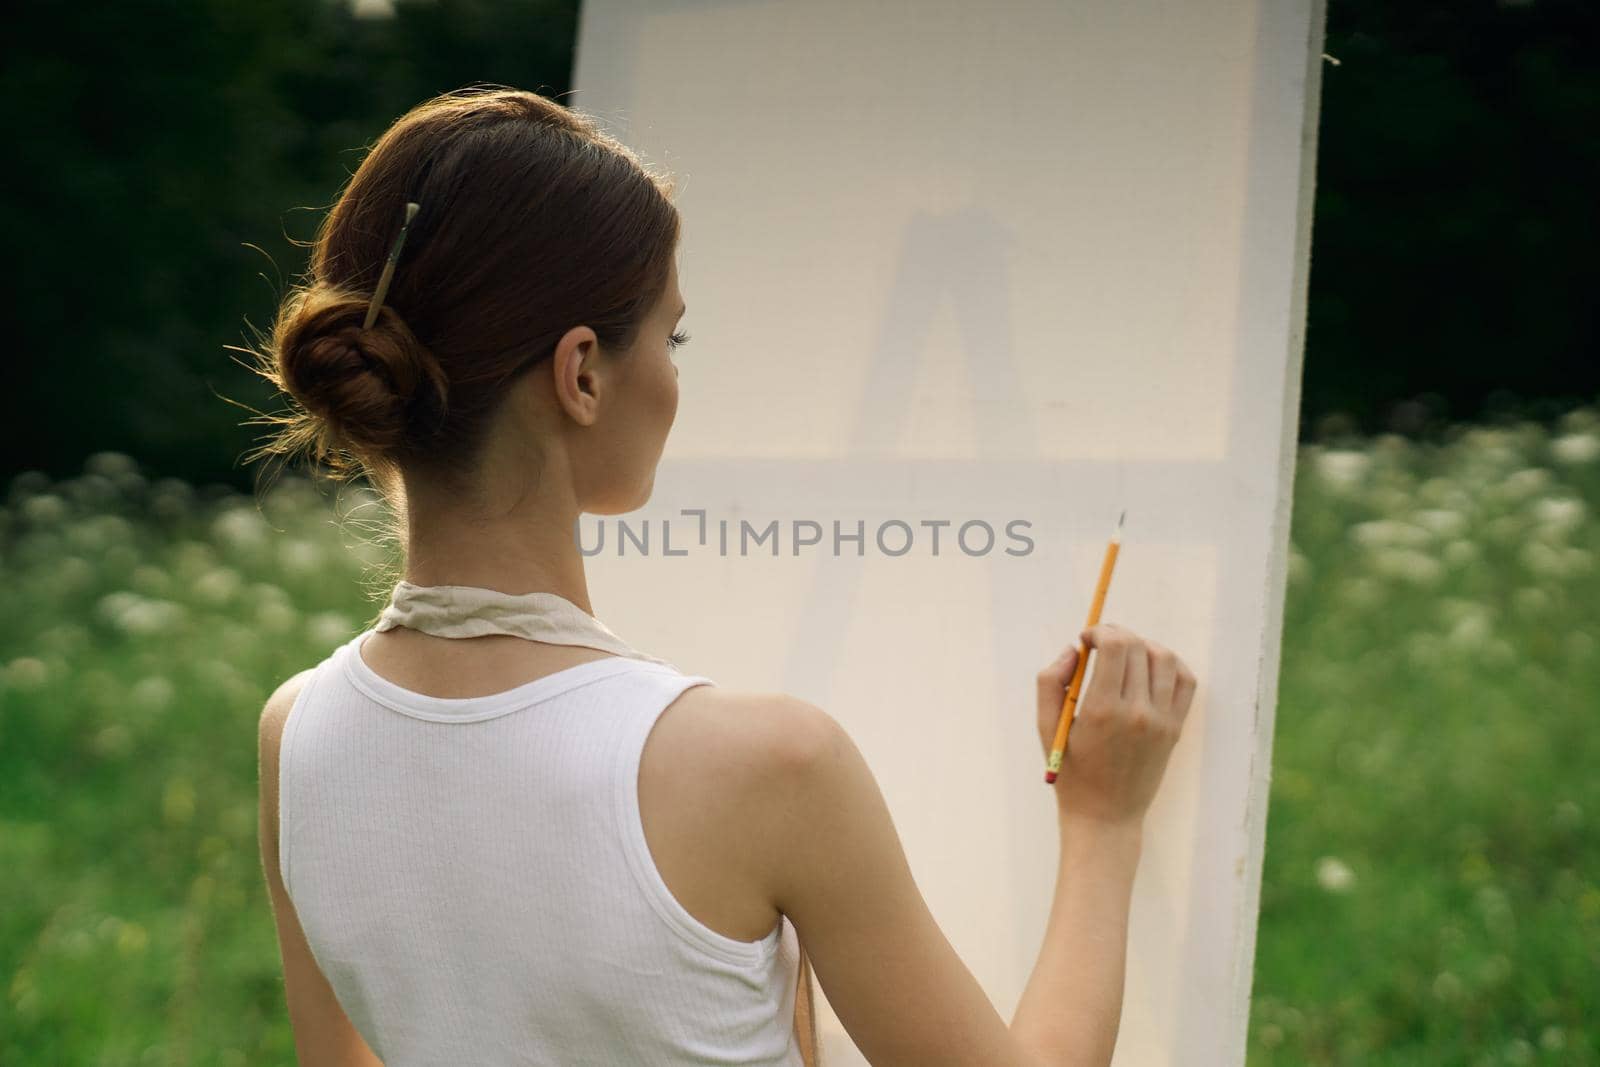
[(276, 711), (746, 736), (270, 737), (719, 770)]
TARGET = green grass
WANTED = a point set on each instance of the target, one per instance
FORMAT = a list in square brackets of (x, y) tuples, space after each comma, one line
[(1436, 740), (1432, 884)]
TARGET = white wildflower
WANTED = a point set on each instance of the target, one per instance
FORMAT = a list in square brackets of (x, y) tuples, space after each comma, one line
[(1554, 561), (27, 672), (1491, 442), (1407, 565), (1560, 512), (111, 464), (45, 508), (1524, 483), (241, 528), (1472, 632), (1393, 447), (191, 559), (298, 556), (218, 586), (136, 614), (1444, 522), (1576, 448), (149, 616), (1342, 469), (111, 606), (1452, 609), (1334, 875), (328, 628)]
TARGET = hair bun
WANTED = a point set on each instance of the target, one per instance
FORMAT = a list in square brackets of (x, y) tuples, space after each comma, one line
[(372, 387)]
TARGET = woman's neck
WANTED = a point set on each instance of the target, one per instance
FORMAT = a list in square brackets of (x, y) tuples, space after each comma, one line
[(522, 552)]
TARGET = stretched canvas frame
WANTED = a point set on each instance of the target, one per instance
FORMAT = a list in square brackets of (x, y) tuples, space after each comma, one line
[(960, 267)]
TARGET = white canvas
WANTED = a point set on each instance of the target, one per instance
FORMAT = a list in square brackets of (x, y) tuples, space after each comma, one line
[(1012, 263)]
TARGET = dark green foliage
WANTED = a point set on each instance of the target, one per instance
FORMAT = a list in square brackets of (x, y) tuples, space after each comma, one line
[(166, 153), (165, 157)]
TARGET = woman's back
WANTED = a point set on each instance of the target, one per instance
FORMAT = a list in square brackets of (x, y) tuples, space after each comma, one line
[(473, 876)]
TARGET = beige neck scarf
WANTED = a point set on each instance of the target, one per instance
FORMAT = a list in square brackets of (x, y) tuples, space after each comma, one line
[(472, 611)]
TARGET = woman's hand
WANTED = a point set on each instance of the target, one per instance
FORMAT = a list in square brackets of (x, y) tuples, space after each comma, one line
[(1130, 712)]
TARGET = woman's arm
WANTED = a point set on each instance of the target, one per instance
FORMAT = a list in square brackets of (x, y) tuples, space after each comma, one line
[(1130, 717), (1071, 1008)]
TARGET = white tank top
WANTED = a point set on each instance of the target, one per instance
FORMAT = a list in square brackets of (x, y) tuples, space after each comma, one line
[(473, 879)]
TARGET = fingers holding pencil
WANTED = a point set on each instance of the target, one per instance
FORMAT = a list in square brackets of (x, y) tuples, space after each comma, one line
[(1127, 722), (1053, 680)]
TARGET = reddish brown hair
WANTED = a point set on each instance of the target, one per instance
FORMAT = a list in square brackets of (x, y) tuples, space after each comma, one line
[(532, 220)]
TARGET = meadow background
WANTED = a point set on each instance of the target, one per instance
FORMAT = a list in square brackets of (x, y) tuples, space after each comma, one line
[(1431, 893), (1432, 883)]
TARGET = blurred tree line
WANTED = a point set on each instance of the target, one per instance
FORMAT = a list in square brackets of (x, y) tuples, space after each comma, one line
[(1452, 255), (167, 156)]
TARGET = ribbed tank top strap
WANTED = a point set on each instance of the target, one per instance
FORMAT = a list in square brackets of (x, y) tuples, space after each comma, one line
[(287, 786)]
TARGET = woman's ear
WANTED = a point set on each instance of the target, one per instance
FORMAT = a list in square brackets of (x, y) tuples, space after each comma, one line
[(575, 368)]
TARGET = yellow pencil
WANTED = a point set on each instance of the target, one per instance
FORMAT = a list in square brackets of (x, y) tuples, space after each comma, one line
[(1070, 704)]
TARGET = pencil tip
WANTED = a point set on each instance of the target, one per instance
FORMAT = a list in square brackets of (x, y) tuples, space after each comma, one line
[(1118, 531)]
